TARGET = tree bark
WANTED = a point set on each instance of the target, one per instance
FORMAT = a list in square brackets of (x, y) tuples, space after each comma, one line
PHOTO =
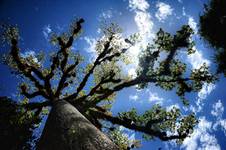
[(67, 129)]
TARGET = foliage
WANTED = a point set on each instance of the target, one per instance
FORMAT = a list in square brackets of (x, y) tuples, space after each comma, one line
[(91, 87), (212, 29), (121, 139), (16, 125), (161, 120), (169, 72)]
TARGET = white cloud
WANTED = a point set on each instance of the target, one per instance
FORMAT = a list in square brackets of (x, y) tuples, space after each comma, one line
[(183, 11), (197, 59), (132, 73), (202, 133), (138, 5), (144, 25), (154, 97), (30, 54), (206, 90), (202, 94), (164, 10), (201, 138), (222, 123), (180, 1), (27, 54), (168, 108), (91, 46), (142, 19), (192, 24), (46, 31), (191, 21), (218, 109), (134, 97), (98, 30), (106, 14), (130, 134), (209, 142)]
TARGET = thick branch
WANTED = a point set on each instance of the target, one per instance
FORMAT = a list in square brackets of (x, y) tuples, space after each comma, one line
[(64, 46), (168, 60), (24, 67), (132, 126), (34, 94), (110, 79), (56, 60), (107, 92), (36, 105), (64, 78), (96, 63)]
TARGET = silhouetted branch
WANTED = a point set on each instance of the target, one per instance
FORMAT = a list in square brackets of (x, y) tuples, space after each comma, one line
[(34, 94), (64, 78), (24, 67), (36, 105), (105, 93), (130, 125), (94, 90), (168, 60), (96, 63), (63, 49)]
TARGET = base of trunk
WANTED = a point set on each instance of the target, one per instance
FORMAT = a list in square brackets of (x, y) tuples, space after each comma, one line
[(67, 129)]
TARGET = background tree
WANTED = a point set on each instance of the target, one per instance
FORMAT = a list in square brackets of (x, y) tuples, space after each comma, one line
[(81, 97), (17, 125), (212, 28)]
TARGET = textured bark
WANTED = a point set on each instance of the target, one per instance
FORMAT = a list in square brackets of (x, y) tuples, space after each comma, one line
[(67, 129)]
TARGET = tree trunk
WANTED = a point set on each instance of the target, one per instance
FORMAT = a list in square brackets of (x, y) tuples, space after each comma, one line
[(67, 129)]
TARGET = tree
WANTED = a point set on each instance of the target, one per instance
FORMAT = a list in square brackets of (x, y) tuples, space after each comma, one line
[(16, 125), (212, 29), (81, 98)]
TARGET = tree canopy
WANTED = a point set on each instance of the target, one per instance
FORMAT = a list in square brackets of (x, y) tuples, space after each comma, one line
[(16, 125), (91, 87), (212, 28)]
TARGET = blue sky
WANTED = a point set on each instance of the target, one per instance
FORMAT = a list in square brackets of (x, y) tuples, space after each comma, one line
[(38, 19)]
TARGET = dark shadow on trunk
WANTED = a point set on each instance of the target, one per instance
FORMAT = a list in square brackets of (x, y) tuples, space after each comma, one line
[(67, 129)]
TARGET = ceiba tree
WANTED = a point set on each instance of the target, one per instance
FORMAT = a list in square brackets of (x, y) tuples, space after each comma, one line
[(212, 29), (81, 94)]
